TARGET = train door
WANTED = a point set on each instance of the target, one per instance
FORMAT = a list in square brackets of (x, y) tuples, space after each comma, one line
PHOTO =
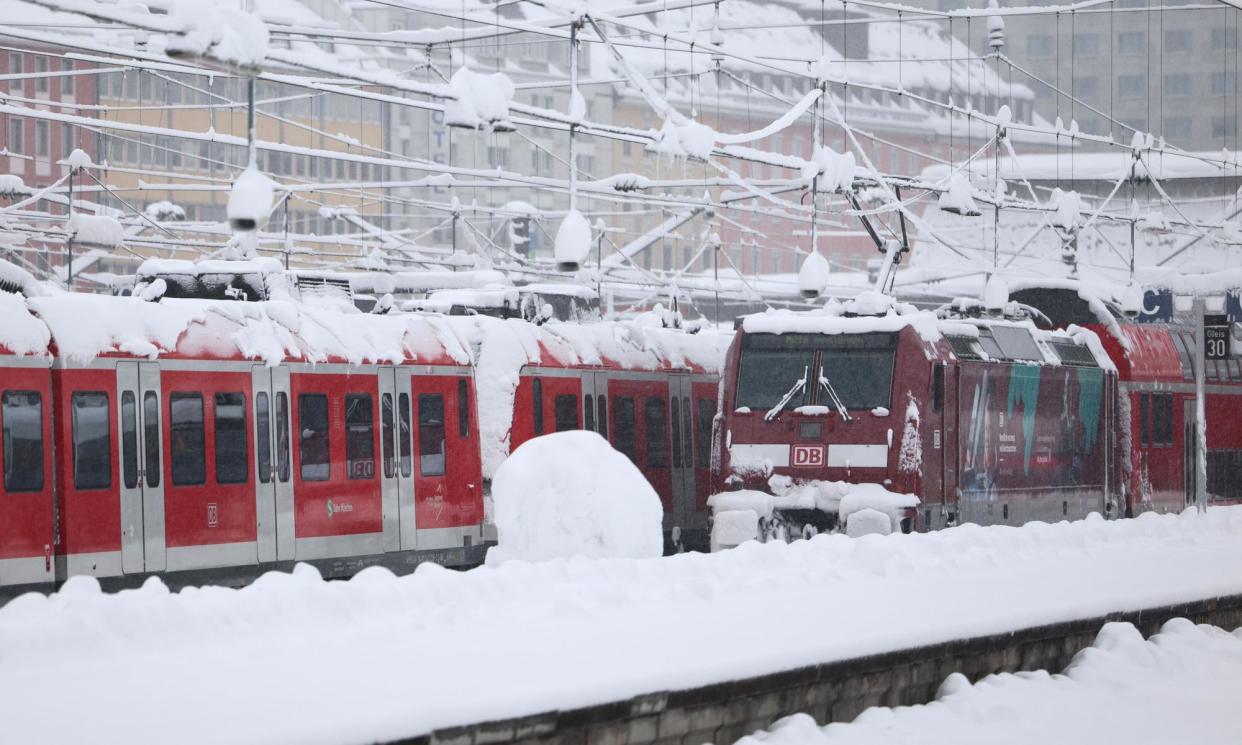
[(433, 408), (949, 448), (595, 403), (142, 488), (396, 473), (680, 425), (932, 476), (274, 482)]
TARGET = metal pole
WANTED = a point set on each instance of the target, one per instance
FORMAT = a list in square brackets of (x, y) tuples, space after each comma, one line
[(1200, 410), (716, 276), (69, 243), (251, 150), (573, 92)]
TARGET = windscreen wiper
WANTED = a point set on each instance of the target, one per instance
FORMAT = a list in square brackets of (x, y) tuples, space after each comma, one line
[(797, 387), (833, 397)]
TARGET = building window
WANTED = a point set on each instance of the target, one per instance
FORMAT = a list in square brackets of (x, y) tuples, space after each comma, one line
[(1177, 127), (1177, 85), (1086, 44), (41, 78), (17, 131), (1224, 127), (431, 453), (1131, 42), (1039, 45), (1223, 38), (1177, 40), (15, 69), (314, 457), (185, 422), (21, 415), (1131, 86), (1224, 84), (42, 146), (232, 455), (68, 80), (656, 424), (359, 436), (1086, 87), (92, 441)]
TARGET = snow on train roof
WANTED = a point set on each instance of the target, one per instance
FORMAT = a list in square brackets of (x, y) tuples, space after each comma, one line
[(506, 347), (21, 333), (87, 326)]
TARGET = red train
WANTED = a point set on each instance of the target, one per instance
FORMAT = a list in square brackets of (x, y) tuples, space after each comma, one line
[(209, 441), (987, 420)]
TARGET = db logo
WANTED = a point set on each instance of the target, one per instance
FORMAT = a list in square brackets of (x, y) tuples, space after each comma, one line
[(808, 456)]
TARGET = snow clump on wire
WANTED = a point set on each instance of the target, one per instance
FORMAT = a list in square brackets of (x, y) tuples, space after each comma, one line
[(568, 494), (573, 241), (481, 100)]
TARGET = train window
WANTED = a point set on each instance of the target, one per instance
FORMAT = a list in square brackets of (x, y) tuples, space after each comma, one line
[(937, 397), (656, 432), (623, 427), (463, 408), (766, 374), (151, 437), (537, 403), (989, 345), (185, 423), (387, 435), (1162, 419), (863, 378), (129, 440), (588, 412), (359, 436), (403, 420), (566, 413), (1073, 354), (601, 415), (232, 451), (92, 441), (686, 430), (706, 414), (313, 448), (263, 425), (1017, 343), (22, 415), (282, 437), (1185, 350), (676, 406), (1144, 419), (964, 348), (431, 434)]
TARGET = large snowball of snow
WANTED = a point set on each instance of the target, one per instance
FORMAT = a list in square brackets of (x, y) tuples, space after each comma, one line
[(570, 493), (250, 199)]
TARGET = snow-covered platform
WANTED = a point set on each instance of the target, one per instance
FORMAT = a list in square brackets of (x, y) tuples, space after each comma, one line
[(378, 658), (1178, 686)]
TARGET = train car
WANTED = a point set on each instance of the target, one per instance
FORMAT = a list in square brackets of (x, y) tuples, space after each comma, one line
[(1156, 400), (210, 441), (27, 496), (986, 420), (650, 391)]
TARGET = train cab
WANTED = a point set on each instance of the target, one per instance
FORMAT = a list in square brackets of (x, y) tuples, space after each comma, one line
[(955, 419)]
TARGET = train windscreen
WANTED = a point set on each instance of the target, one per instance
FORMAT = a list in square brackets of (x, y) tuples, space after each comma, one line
[(859, 367)]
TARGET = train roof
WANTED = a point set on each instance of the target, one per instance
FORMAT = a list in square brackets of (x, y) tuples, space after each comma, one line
[(987, 339), (84, 327)]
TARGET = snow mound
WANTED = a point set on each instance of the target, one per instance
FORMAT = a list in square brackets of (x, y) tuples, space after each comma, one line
[(570, 494), (868, 521), (481, 100), (733, 528), (96, 230), (220, 32)]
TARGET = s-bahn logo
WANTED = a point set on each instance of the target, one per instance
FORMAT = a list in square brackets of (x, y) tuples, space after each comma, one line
[(808, 456)]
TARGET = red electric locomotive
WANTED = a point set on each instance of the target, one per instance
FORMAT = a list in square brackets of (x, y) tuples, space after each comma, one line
[(986, 420)]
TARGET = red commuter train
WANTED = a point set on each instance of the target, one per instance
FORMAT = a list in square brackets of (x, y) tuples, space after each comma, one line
[(987, 420), (208, 441)]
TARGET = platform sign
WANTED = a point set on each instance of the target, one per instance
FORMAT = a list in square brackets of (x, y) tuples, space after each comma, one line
[(1216, 337)]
